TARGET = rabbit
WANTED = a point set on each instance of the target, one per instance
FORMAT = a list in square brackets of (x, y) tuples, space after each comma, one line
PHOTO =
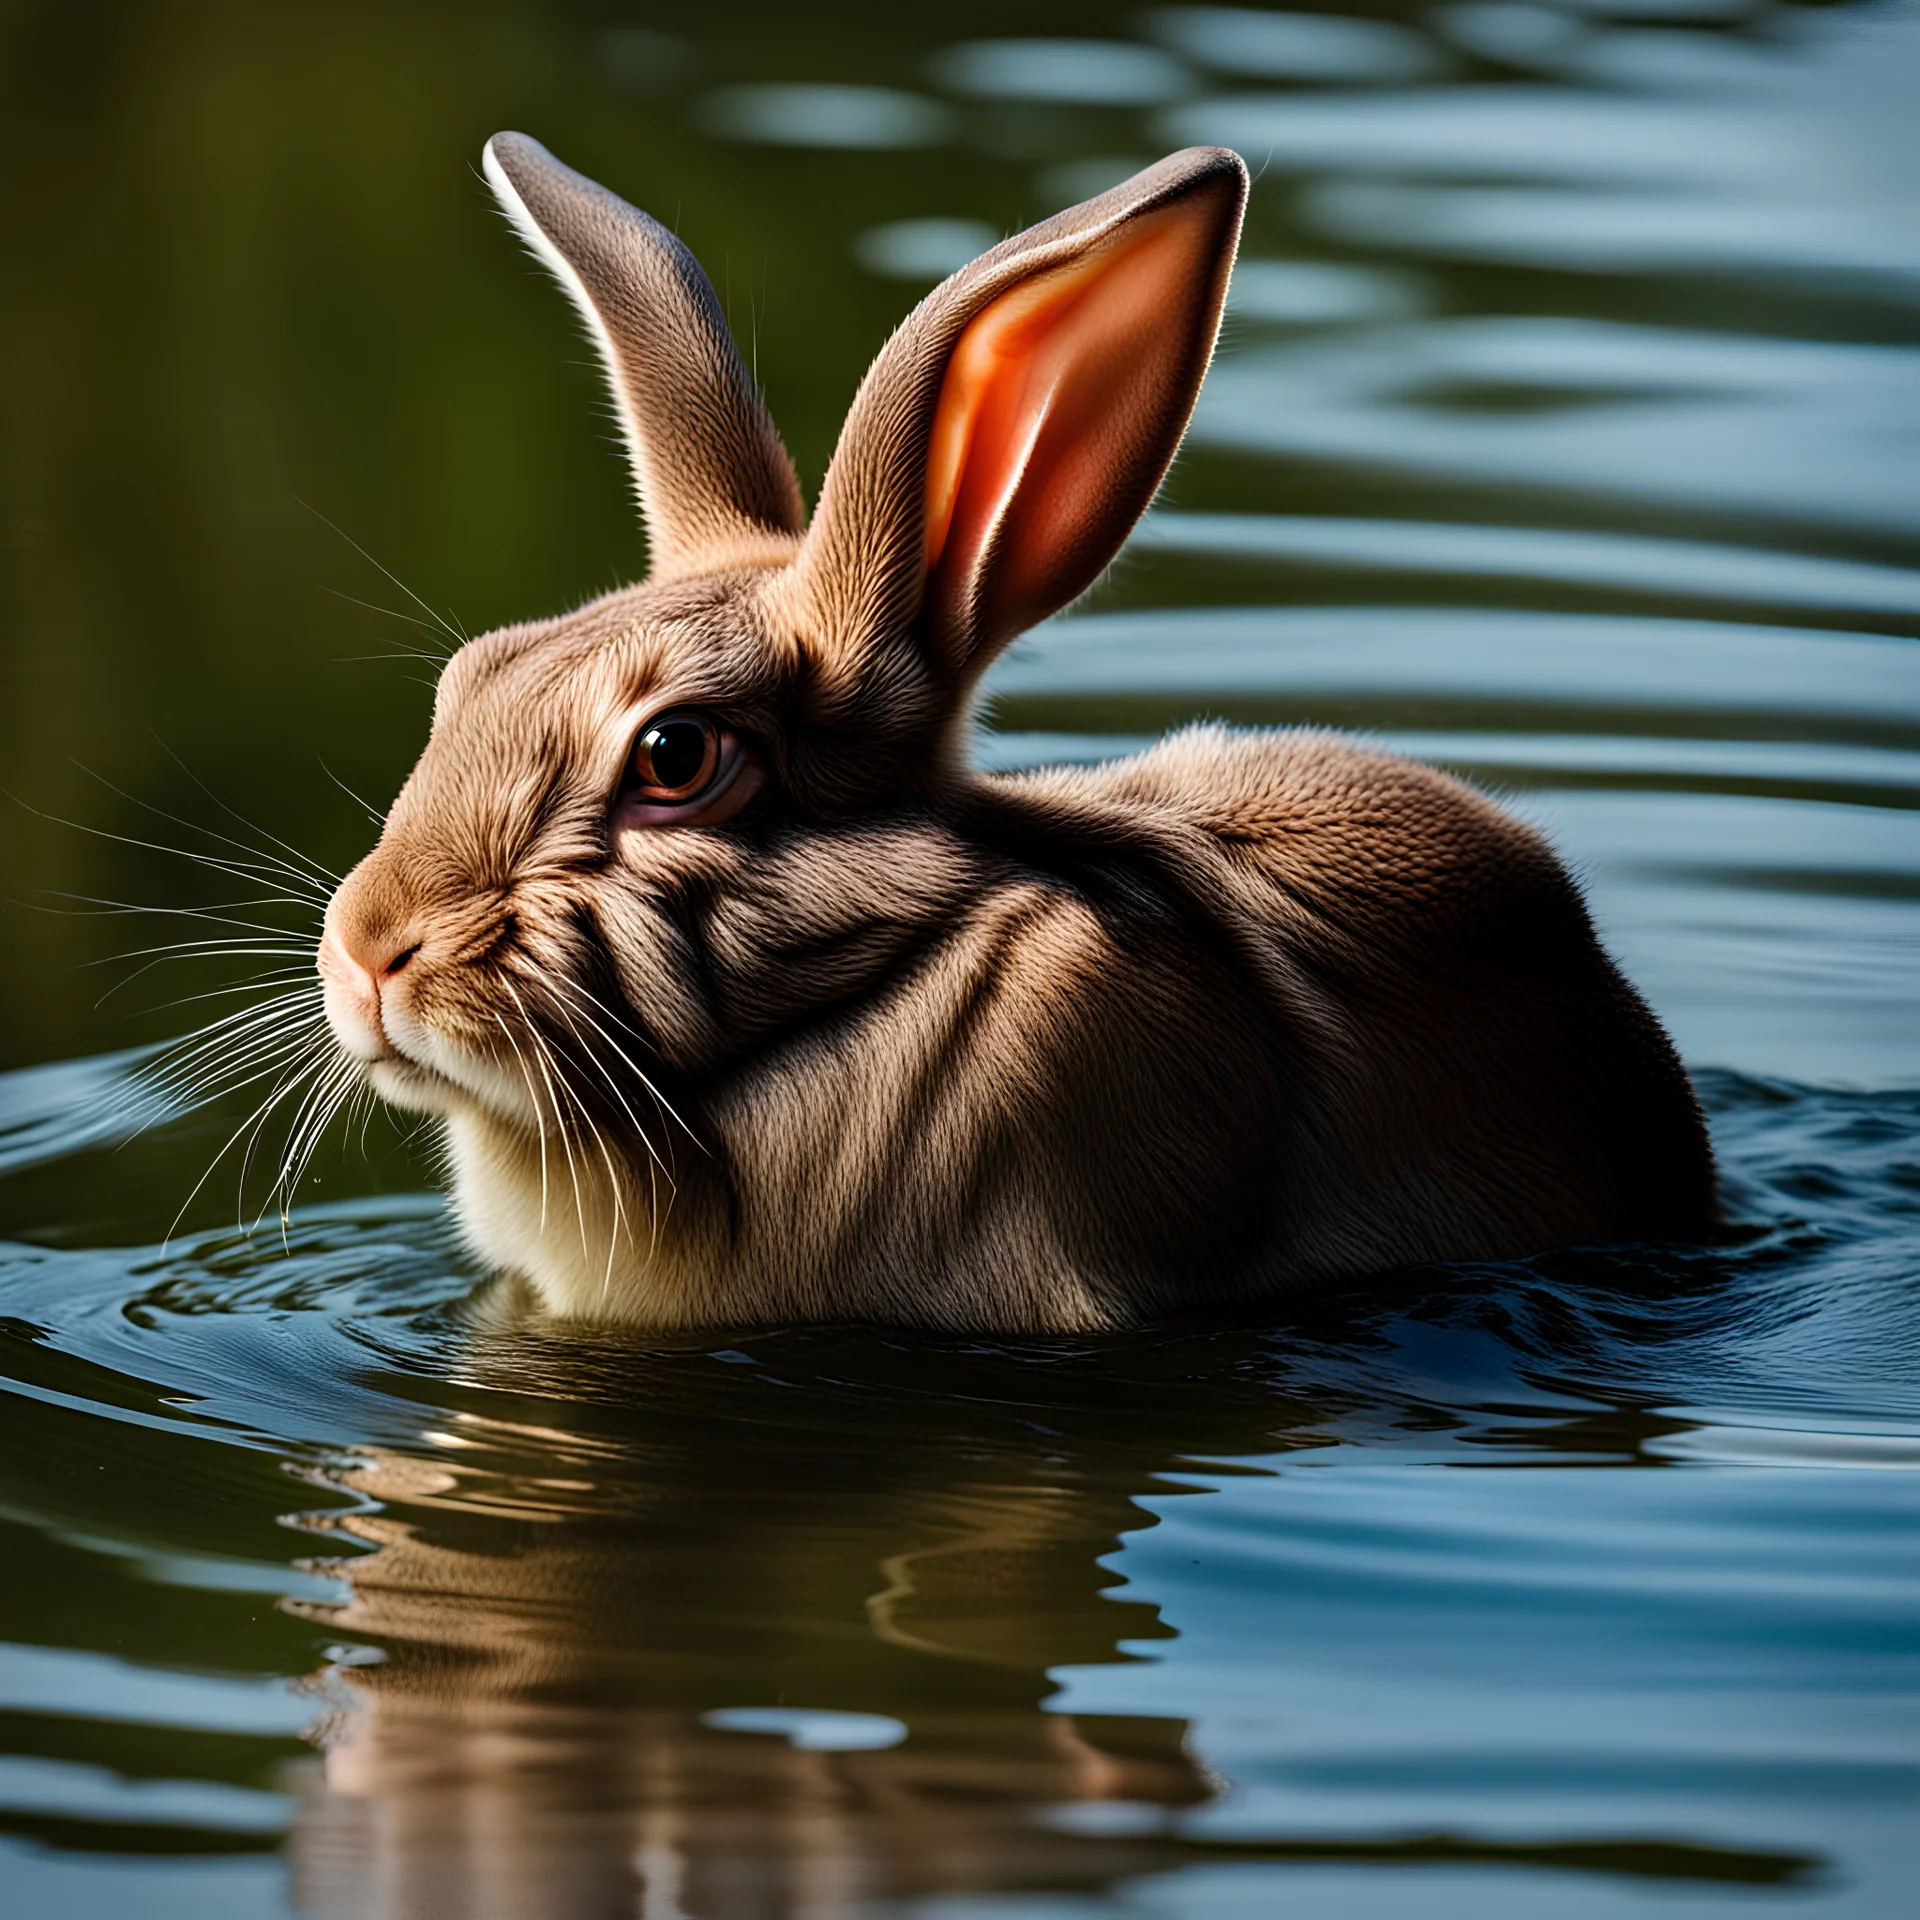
[(745, 998)]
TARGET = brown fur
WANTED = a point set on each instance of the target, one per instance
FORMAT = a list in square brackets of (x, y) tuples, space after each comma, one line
[(1246, 1015)]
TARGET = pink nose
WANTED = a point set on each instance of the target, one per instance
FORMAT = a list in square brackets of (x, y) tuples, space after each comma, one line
[(350, 990)]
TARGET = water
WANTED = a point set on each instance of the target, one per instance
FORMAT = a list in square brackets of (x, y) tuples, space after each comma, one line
[(1565, 433)]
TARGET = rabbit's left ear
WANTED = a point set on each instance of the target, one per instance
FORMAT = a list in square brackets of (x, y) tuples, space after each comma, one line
[(1019, 422), (715, 483)]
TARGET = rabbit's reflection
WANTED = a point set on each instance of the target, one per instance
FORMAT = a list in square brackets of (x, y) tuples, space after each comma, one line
[(566, 1611)]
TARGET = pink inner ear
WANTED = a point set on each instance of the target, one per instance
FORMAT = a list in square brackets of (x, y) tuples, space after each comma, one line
[(1061, 407)]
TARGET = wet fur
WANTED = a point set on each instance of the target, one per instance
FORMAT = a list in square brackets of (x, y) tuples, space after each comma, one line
[(1245, 1015)]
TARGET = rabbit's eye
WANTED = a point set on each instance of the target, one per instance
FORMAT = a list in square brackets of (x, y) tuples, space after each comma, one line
[(685, 770), (675, 757)]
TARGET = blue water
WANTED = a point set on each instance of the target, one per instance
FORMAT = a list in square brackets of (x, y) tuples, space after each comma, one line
[(1565, 434)]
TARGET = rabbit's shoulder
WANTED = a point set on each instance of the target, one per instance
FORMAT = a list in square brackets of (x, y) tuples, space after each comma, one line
[(1357, 835)]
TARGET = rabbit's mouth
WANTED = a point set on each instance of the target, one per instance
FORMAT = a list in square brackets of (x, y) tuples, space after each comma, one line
[(454, 1083)]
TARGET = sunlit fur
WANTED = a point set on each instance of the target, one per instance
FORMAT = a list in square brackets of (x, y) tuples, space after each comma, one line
[(1247, 1014)]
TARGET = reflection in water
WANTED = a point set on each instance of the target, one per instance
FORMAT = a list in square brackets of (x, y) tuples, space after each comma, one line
[(567, 1615), (662, 1660)]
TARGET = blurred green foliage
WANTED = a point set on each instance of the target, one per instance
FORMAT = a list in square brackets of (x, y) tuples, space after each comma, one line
[(254, 285)]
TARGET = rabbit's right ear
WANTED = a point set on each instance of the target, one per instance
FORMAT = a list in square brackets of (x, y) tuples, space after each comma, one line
[(714, 481), (1015, 427)]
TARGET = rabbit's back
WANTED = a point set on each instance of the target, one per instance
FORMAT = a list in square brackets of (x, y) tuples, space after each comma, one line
[(1470, 1071)]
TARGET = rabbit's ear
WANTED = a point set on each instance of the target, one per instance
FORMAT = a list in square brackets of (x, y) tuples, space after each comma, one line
[(713, 478), (1020, 421)]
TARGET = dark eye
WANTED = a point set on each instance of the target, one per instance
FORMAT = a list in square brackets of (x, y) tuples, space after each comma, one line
[(685, 769), (674, 757)]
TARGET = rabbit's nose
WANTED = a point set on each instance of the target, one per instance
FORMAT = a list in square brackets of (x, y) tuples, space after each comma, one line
[(350, 988)]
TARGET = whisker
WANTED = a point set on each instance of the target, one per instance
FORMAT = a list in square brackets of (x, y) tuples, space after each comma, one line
[(254, 1120), (172, 1101), (255, 952), (451, 631), (540, 1131), (657, 1167), (619, 1213), (600, 1067), (613, 1179), (236, 946), (310, 1101), (332, 1093), (619, 1224), (230, 1034), (321, 1102), (379, 819), (579, 992), (394, 613), (253, 872), (222, 1047), (277, 978), (540, 1059), (301, 858), (395, 653), (300, 870), (220, 916)]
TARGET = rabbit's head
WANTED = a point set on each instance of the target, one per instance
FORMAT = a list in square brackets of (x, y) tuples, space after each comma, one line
[(647, 837)]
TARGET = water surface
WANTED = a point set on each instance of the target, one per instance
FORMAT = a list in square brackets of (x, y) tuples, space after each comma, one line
[(1565, 433)]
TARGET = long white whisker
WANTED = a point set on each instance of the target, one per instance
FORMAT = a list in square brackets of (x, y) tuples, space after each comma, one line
[(279, 976), (194, 1072), (300, 869), (540, 1059), (379, 819), (260, 1066), (619, 1225), (254, 1120), (333, 1092), (394, 613), (619, 1213), (656, 1166), (600, 1067), (310, 1102), (613, 1179), (225, 1061), (309, 1124), (254, 872), (302, 860), (279, 1004), (233, 946), (439, 620), (539, 1123), (558, 983), (245, 953), (217, 916), (369, 1104), (581, 993)]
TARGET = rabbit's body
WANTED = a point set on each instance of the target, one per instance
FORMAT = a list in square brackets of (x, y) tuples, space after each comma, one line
[(837, 1027)]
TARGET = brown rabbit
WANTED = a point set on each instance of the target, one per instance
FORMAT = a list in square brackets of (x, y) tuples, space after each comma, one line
[(745, 997)]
